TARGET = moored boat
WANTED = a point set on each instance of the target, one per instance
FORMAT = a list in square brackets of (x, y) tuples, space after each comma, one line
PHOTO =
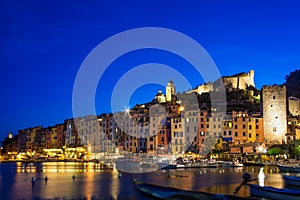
[(291, 180), (206, 164), (289, 168), (140, 164), (249, 163), (274, 193), (135, 165), (236, 163)]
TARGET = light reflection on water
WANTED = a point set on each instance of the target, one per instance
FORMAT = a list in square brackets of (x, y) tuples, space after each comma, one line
[(92, 182), (59, 167)]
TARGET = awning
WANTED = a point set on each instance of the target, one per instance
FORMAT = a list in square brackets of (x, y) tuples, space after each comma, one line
[(227, 139)]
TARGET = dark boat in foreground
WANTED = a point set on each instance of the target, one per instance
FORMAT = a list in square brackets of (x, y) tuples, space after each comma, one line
[(291, 180), (289, 168), (161, 192), (274, 193)]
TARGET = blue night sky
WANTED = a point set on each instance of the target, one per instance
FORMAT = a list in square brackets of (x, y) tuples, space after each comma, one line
[(43, 44)]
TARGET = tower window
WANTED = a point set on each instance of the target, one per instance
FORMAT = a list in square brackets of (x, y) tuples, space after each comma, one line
[(274, 97), (274, 129)]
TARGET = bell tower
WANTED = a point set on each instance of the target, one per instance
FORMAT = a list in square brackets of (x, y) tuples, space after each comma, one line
[(170, 90)]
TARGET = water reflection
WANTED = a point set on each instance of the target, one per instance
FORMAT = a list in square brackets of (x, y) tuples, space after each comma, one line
[(92, 182), (27, 167), (261, 177), (115, 184)]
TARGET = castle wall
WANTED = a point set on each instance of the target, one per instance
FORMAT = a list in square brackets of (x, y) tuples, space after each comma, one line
[(240, 81), (231, 82), (246, 80), (274, 113), (205, 88)]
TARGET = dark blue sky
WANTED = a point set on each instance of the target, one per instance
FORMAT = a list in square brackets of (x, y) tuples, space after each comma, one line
[(43, 44)]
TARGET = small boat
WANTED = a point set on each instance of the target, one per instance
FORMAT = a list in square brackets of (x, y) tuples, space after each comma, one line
[(183, 162), (225, 163), (289, 168), (206, 164), (135, 165), (237, 164), (274, 193), (291, 180), (249, 163), (161, 192), (170, 166)]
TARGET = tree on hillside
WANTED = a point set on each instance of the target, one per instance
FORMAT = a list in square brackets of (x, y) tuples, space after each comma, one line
[(293, 83)]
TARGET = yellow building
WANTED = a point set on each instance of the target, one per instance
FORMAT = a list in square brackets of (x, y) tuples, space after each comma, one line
[(177, 135), (251, 130)]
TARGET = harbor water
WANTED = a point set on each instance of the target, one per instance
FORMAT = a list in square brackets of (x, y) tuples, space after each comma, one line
[(71, 180)]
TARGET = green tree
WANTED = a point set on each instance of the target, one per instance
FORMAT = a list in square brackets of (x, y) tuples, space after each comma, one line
[(275, 151)]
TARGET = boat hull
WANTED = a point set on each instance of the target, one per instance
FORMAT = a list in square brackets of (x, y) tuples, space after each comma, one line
[(291, 180), (274, 193), (287, 168)]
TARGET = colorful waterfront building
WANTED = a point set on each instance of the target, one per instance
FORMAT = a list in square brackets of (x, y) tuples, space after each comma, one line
[(72, 137), (177, 135), (60, 134), (202, 129), (191, 120)]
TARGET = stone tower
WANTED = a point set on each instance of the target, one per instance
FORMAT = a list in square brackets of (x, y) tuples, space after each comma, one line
[(170, 90), (274, 110)]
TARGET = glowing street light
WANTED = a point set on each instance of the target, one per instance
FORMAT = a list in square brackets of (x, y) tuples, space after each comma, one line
[(127, 110), (260, 149)]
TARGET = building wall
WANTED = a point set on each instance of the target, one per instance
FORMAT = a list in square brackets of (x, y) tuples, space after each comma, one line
[(259, 129), (60, 135), (202, 128), (191, 118), (297, 133), (274, 113), (251, 130), (240, 129), (72, 138), (177, 134), (22, 140), (214, 124)]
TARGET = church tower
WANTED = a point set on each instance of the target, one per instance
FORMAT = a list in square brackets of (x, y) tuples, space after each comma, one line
[(170, 90)]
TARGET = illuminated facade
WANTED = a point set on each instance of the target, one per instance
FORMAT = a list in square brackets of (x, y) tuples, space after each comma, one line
[(239, 81), (274, 113), (191, 118), (170, 90), (202, 127), (177, 135)]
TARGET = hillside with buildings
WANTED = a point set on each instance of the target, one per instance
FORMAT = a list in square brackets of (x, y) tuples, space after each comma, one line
[(173, 123)]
